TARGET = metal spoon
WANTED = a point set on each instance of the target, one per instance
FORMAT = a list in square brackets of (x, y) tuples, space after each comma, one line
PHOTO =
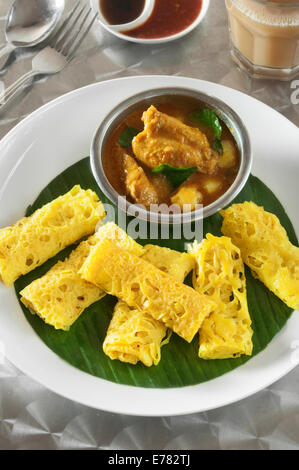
[(30, 22)]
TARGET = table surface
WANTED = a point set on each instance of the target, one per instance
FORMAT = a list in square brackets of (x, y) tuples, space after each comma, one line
[(32, 417)]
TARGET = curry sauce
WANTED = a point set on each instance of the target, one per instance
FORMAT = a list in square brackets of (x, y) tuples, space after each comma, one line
[(207, 184)]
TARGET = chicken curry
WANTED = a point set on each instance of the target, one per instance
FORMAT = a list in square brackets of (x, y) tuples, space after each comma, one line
[(176, 151)]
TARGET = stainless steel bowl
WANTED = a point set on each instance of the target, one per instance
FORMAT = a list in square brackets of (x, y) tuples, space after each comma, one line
[(224, 112)]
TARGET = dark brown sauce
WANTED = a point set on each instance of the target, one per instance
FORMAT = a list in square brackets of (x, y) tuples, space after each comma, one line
[(121, 11), (169, 17), (180, 108)]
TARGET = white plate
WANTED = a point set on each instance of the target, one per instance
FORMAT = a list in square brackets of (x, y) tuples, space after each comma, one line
[(59, 134)]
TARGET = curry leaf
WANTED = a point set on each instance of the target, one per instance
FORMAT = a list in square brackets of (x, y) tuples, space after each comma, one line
[(176, 176), (209, 119), (125, 139), (217, 145)]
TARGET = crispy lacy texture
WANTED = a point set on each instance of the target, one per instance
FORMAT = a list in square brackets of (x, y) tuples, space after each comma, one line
[(111, 231), (174, 263), (33, 240), (143, 286), (165, 139), (265, 248), (219, 274), (134, 335), (61, 295)]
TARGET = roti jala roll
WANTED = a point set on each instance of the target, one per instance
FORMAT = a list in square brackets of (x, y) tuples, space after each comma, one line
[(33, 240), (265, 248), (143, 286), (61, 295), (134, 335), (219, 274)]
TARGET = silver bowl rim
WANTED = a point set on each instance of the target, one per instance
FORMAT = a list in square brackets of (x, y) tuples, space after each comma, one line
[(224, 111)]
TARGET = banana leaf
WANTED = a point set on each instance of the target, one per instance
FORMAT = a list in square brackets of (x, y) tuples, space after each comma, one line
[(180, 366)]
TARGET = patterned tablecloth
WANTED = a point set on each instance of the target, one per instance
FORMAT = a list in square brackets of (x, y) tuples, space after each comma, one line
[(32, 417)]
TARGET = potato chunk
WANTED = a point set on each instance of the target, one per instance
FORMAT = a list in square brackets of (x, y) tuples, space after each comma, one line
[(187, 194), (211, 185), (230, 154)]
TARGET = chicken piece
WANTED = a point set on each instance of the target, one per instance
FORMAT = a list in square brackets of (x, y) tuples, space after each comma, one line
[(162, 186), (137, 183), (165, 139)]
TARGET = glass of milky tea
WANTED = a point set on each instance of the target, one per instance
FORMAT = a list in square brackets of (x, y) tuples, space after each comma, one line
[(265, 37)]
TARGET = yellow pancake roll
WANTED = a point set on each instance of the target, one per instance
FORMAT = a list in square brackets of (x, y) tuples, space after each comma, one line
[(61, 295), (111, 231), (143, 286), (134, 335), (265, 248), (33, 240), (219, 274), (172, 262)]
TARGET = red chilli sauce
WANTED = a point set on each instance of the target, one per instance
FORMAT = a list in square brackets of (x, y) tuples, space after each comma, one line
[(169, 17)]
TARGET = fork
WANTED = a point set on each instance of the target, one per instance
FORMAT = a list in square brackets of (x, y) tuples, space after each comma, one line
[(60, 51)]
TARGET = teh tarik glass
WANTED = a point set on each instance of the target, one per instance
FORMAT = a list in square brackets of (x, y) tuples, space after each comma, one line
[(265, 37)]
